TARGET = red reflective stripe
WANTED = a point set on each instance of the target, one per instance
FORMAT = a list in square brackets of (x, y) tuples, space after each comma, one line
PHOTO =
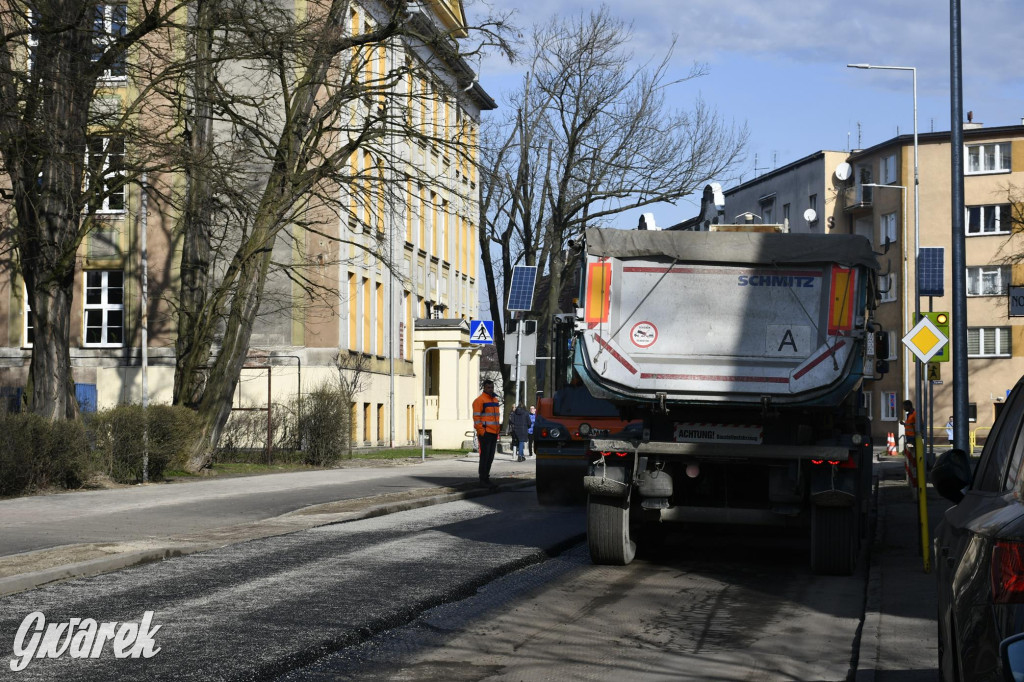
[(818, 360), (625, 363)]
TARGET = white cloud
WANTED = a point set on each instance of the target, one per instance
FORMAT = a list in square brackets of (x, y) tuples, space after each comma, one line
[(907, 32)]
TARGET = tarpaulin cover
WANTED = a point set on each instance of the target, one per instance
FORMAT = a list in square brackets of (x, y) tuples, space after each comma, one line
[(732, 247)]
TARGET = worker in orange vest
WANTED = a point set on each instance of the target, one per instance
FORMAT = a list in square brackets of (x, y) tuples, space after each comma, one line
[(910, 423), (909, 446), (487, 423)]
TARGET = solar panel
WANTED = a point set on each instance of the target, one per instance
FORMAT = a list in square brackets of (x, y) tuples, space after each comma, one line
[(520, 292), (930, 280)]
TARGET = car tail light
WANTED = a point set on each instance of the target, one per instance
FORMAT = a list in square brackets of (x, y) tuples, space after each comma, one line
[(1008, 572)]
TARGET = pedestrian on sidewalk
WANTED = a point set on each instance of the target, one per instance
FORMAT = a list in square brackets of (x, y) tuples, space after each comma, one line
[(949, 431), (909, 445), (910, 423), (533, 420), (487, 423), (520, 428)]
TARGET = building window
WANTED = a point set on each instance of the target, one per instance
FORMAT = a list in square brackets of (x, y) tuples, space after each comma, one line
[(105, 161), (865, 402), (110, 25), (887, 287), (890, 409), (28, 323), (987, 342), (988, 158), (996, 219), (887, 169), (767, 206), (104, 308), (887, 228), (889, 352), (988, 280), (785, 214)]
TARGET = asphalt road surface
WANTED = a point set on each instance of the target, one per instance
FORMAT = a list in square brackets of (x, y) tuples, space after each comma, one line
[(492, 588), (712, 604), (161, 510)]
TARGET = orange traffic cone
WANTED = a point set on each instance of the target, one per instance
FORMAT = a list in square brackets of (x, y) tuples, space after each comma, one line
[(891, 446)]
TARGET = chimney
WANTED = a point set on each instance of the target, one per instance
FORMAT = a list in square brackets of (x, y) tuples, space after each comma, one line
[(971, 125)]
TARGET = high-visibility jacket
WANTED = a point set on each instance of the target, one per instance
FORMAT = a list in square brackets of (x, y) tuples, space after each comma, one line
[(486, 414), (910, 425)]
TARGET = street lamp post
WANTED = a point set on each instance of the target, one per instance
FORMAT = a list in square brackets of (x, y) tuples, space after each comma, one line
[(917, 235)]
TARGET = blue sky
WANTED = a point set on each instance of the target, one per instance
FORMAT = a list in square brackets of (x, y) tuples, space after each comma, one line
[(780, 67)]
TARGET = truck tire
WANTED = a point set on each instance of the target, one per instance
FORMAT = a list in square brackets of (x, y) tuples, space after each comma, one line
[(608, 531), (833, 540)]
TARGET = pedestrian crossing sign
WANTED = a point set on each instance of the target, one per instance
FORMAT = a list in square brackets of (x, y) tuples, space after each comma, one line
[(481, 331)]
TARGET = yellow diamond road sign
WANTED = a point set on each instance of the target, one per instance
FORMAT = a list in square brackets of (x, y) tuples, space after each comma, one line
[(925, 340)]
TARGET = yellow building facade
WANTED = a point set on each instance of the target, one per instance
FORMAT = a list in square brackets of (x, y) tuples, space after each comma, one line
[(422, 220)]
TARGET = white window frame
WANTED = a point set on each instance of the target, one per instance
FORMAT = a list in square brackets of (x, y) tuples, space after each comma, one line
[(976, 164), (1002, 335), (105, 307), (113, 202), (887, 287), (894, 347), (32, 41), (887, 169), (890, 406), (110, 25), (1000, 274), (1003, 223), (887, 228), (27, 321)]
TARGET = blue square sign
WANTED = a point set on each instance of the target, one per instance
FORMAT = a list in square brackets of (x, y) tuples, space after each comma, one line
[(481, 331)]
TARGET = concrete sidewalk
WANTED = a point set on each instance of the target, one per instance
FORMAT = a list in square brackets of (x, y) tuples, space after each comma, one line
[(899, 641), (93, 532)]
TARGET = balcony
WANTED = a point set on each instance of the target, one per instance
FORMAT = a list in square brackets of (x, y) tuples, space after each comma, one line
[(857, 199)]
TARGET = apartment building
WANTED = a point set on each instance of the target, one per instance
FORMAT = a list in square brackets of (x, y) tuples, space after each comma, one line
[(870, 192), (375, 322)]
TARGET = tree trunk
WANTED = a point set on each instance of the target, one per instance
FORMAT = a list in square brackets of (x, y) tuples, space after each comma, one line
[(194, 337), (215, 406), (51, 386)]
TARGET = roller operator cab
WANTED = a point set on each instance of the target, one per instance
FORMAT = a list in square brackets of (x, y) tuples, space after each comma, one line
[(741, 352)]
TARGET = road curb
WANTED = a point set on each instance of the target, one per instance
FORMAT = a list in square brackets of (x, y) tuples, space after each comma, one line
[(871, 635), (115, 562), (87, 569)]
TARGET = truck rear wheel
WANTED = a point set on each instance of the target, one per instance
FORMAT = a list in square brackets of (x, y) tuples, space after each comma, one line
[(608, 531), (833, 540)]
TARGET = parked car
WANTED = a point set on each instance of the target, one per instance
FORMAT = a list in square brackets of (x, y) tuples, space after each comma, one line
[(979, 550)]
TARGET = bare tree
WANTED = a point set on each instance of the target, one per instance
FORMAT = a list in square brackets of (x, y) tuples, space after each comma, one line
[(64, 155), (297, 117), (589, 136)]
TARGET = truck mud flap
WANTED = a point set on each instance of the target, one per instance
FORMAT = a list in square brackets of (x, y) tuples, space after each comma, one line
[(607, 482), (833, 487)]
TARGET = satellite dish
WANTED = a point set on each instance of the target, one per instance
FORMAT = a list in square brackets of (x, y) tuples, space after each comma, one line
[(810, 215), (844, 171)]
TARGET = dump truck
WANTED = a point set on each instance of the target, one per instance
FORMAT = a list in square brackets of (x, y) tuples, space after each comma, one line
[(565, 423), (742, 351)]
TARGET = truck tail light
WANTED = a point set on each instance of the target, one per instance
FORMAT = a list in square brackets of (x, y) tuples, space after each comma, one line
[(1008, 572)]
